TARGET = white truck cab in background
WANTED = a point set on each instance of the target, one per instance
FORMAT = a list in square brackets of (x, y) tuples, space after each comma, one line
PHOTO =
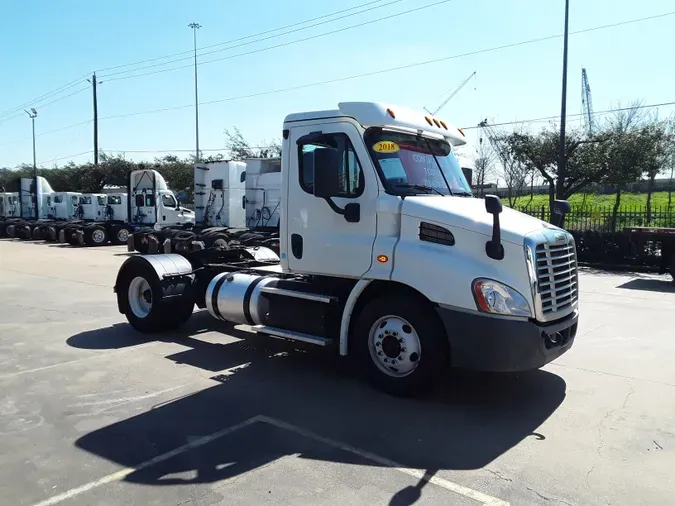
[(152, 204), (384, 254)]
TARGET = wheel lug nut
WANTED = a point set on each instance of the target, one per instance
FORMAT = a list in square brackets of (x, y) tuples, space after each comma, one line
[(395, 333), (386, 360), (402, 349), (400, 359), (377, 343), (379, 353), (400, 339)]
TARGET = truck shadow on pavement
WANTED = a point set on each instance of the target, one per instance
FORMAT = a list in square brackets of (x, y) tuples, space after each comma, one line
[(649, 285), (465, 424)]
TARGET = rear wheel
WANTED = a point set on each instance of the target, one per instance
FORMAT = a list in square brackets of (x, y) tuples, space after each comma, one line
[(400, 344), (119, 234), (146, 311), (95, 235)]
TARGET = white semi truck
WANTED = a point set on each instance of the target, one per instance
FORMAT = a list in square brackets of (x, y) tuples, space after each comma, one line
[(148, 206), (384, 255), (34, 207), (10, 209), (235, 203)]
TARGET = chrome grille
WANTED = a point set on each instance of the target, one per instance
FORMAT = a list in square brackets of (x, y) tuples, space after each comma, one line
[(556, 267)]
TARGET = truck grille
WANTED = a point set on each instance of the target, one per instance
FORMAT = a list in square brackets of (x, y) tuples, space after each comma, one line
[(557, 278)]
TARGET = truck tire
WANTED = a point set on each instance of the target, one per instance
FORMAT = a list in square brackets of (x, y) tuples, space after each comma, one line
[(146, 311), (119, 234), (400, 344), (95, 235)]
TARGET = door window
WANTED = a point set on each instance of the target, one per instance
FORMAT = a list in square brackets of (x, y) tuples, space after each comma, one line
[(101, 200), (169, 201), (350, 171), (149, 200)]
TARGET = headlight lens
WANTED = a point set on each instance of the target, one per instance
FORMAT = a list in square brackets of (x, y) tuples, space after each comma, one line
[(498, 298)]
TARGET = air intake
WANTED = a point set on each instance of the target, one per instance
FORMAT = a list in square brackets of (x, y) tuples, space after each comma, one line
[(436, 234)]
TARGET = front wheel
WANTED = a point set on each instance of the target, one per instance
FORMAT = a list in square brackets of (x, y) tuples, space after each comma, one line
[(401, 344)]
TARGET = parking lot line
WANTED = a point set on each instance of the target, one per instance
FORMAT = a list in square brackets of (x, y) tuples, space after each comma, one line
[(420, 474), (123, 473), (416, 473)]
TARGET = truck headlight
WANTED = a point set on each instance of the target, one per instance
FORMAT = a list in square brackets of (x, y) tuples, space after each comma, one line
[(498, 298)]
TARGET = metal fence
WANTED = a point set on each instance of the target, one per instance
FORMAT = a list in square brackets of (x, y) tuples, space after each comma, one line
[(601, 218)]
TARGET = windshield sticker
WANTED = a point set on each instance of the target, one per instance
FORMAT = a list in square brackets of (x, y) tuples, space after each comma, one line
[(385, 147)]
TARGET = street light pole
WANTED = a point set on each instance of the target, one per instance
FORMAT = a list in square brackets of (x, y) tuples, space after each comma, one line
[(32, 114), (194, 27), (562, 166)]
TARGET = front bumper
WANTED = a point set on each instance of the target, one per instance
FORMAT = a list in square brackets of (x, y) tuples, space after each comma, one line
[(485, 343)]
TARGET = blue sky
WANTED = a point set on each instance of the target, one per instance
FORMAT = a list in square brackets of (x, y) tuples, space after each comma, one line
[(48, 44)]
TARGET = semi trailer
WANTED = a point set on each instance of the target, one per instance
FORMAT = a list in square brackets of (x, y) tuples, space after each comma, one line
[(385, 255), (236, 203)]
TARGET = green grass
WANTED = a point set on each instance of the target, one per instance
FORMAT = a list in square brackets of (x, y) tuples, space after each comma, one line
[(629, 201)]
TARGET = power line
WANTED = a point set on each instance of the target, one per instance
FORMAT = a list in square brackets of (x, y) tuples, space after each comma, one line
[(35, 101), (201, 53), (64, 157), (49, 103), (392, 69), (283, 44), (595, 113), (242, 38), (368, 74)]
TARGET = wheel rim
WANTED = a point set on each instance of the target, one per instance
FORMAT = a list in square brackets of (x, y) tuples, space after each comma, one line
[(394, 346), (140, 297), (123, 235), (98, 236)]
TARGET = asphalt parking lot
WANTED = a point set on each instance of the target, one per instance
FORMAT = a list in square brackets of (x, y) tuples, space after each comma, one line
[(93, 413)]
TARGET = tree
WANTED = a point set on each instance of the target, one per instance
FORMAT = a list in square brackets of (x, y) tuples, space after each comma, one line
[(540, 152), (484, 161), (240, 149), (514, 171)]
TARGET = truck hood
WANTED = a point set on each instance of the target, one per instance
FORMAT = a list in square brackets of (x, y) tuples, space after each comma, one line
[(469, 214)]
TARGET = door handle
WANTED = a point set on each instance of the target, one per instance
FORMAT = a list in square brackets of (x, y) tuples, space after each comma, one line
[(296, 245)]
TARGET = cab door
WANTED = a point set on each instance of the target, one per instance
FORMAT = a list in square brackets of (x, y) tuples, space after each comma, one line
[(319, 239)]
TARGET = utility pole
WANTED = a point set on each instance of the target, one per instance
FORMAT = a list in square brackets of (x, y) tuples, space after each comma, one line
[(93, 87), (195, 27), (32, 114), (562, 165)]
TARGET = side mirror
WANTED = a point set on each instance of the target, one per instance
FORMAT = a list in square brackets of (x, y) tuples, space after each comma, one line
[(177, 203), (242, 177), (561, 207), (326, 172), (493, 204)]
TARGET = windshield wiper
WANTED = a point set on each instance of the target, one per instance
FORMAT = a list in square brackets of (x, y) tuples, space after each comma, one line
[(462, 194), (420, 187)]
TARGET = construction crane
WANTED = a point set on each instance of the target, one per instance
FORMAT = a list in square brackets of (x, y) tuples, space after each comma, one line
[(454, 92), (586, 103)]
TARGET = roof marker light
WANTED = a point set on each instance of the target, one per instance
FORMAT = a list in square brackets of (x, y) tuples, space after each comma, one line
[(437, 123), (391, 113), (428, 120), (444, 125), (461, 132)]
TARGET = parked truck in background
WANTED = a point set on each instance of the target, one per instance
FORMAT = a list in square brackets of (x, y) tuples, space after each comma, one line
[(10, 209), (235, 203), (105, 218), (384, 255), (34, 207)]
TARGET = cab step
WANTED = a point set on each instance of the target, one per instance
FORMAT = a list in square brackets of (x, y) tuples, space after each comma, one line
[(293, 335)]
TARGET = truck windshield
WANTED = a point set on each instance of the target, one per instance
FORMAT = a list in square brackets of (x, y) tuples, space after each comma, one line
[(415, 165)]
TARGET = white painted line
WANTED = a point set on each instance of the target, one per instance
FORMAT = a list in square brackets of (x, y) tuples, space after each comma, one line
[(123, 473), (417, 473)]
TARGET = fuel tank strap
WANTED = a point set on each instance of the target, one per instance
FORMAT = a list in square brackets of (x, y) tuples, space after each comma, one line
[(214, 297)]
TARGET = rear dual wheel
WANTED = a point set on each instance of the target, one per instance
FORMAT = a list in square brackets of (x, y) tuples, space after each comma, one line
[(146, 310)]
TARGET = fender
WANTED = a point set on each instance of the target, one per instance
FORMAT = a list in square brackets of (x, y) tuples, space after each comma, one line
[(173, 271), (354, 295)]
